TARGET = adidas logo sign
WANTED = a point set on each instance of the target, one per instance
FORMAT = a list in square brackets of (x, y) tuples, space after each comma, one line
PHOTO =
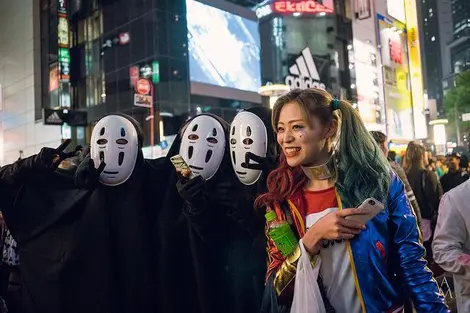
[(54, 118), (304, 73)]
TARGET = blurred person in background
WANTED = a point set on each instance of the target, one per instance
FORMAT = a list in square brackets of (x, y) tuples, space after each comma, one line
[(391, 155), (464, 164), (381, 140), (440, 170), (429, 156), (456, 175), (428, 193)]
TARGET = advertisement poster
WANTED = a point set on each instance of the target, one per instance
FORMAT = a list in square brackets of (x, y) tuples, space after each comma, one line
[(365, 58), (396, 77), (416, 74)]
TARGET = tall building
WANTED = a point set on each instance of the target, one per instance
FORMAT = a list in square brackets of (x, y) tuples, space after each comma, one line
[(431, 52), (446, 35), (388, 63), (308, 45), (22, 132), (461, 17), (459, 48), (103, 57), (159, 61)]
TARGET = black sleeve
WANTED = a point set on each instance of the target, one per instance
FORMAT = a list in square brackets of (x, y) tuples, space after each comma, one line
[(210, 217), (204, 219), (12, 177), (433, 190), (18, 172)]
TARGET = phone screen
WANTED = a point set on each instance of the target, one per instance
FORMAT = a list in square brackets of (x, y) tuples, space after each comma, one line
[(180, 165)]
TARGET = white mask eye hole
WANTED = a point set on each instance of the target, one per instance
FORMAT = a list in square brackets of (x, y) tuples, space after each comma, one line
[(247, 141), (193, 137), (121, 141), (102, 141), (233, 141), (248, 131)]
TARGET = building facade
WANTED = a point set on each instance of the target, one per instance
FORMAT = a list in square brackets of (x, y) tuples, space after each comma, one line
[(308, 46), (103, 57), (429, 18), (22, 132)]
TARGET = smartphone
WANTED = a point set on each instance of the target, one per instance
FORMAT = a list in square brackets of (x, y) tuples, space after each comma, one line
[(371, 206), (181, 165)]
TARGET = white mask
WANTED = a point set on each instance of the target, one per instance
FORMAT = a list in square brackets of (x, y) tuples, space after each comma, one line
[(114, 140), (247, 134), (203, 145)]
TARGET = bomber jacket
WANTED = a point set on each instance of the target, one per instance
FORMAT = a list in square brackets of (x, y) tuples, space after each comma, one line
[(386, 258)]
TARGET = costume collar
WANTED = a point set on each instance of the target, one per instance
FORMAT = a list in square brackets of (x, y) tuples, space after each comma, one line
[(321, 172)]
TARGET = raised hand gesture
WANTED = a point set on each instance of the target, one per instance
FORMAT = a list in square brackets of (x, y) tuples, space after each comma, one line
[(50, 158), (267, 163), (87, 176)]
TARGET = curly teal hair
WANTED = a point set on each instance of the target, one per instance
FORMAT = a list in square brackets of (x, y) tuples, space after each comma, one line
[(363, 170)]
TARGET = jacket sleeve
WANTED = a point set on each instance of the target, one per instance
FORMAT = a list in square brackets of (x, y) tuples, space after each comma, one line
[(449, 237), (416, 277), (409, 192)]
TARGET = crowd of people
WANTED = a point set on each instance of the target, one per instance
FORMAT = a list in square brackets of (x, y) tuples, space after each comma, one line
[(295, 209)]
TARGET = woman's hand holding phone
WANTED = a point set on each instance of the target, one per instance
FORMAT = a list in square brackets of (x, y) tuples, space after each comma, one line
[(333, 226)]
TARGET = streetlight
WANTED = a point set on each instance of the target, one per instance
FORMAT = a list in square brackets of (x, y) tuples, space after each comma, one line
[(440, 137), (273, 91)]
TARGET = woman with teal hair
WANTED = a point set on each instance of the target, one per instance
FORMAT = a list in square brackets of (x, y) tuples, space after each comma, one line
[(328, 166)]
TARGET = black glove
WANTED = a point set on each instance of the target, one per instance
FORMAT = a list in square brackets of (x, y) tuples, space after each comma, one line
[(222, 193), (87, 176), (49, 158), (191, 190), (267, 163)]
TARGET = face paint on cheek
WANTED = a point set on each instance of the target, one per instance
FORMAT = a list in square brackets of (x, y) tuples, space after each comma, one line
[(302, 134)]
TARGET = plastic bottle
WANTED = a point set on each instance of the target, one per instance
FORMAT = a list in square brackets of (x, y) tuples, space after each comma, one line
[(281, 233)]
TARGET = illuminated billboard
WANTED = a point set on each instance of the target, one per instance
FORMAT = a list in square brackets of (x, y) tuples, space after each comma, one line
[(396, 9), (224, 49), (396, 77), (416, 75)]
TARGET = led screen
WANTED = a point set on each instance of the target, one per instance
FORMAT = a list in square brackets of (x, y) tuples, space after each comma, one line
[(224, 49)]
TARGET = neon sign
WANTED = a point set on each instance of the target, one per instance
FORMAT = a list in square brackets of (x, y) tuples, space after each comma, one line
[(64, 64), (305, 6)]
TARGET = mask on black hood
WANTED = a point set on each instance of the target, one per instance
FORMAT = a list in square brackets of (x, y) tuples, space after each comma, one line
[(202, 142), (117, 141), (251, 133)]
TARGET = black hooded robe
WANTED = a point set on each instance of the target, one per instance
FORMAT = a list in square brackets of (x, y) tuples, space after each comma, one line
[(205, 255), (85, 250)]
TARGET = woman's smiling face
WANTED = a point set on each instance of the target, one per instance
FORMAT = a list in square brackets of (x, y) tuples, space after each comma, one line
[(303, 142)]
